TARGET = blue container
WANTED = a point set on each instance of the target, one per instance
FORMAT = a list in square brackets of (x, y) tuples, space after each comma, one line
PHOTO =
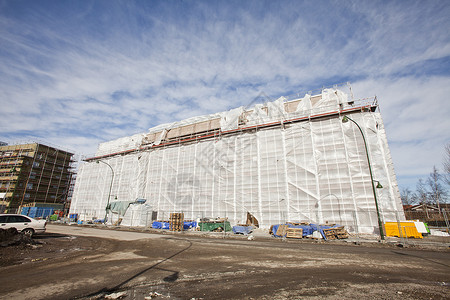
[(25, 211), (47, 212)]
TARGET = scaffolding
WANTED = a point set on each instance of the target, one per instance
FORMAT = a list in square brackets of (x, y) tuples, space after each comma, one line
[(286, 160), (33, 174)]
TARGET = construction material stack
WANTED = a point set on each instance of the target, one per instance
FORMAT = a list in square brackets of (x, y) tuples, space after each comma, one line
[(335, 233), (176, 221), (294, 233)]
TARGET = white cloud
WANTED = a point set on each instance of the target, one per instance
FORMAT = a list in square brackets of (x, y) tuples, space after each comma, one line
[(102, 72), (416, 115)]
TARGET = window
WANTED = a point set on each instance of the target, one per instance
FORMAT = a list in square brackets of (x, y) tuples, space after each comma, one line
[(3, 219), (18, 219), (29, 186)]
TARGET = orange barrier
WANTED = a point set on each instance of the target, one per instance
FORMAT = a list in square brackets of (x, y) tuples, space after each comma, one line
[(402, 229)]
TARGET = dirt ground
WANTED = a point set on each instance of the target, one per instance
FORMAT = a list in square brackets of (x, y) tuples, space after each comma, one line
[(65, 266)]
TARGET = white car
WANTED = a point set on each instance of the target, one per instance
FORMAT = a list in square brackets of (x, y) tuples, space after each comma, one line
[(25, 224)]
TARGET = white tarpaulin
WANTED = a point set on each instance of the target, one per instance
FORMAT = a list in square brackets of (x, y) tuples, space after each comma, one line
[(137, 215), (314, 170)]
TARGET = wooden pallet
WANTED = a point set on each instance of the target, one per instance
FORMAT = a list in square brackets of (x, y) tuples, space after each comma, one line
[(176, 216), (281, 230), (176, 221), (294, 233), (335, 233), (298, 223)]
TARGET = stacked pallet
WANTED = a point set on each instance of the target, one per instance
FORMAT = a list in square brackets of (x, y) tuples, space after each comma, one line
[(335, 233), (294, 233), (176, 221)]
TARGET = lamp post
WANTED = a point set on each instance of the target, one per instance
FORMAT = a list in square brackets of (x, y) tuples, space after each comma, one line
[(345, 119), (110, 187)]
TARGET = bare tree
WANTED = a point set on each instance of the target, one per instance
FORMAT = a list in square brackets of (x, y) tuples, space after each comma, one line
[(437, 193), (407, 196), (421, 192)]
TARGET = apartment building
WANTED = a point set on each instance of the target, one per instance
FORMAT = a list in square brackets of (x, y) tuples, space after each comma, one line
[(34, 175)]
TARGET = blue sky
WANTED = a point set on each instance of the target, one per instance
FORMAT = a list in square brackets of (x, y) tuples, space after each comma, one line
[(77, 73)]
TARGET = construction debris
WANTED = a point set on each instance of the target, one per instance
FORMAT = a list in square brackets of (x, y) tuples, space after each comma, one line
[(335, 233), (118, 295), (12, 237), (281, 230), (302, 230), (251, 220), (154, 295)]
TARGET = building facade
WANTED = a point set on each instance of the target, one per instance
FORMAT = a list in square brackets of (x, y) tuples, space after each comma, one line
[(34, 175), (287, 160)]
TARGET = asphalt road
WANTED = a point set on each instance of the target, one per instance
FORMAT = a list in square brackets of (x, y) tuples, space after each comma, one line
[(85, 263)]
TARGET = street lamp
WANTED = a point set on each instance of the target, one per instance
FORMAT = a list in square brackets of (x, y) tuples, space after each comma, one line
[(345, 119), (110, 187)]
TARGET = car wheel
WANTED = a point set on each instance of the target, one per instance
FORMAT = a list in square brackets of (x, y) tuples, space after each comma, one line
[(28, 232)]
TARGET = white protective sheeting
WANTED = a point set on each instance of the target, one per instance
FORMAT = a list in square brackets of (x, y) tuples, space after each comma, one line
[(314, 170), (119, 145), (230, 119), (185, 122), (137, 215)]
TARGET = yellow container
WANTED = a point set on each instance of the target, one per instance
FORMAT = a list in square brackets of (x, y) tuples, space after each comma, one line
[(402, 229)]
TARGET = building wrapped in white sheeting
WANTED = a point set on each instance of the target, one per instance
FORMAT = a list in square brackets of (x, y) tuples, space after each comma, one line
[(286, 160)]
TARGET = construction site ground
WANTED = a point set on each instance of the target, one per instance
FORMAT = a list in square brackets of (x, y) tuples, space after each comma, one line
[(77, 262)]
